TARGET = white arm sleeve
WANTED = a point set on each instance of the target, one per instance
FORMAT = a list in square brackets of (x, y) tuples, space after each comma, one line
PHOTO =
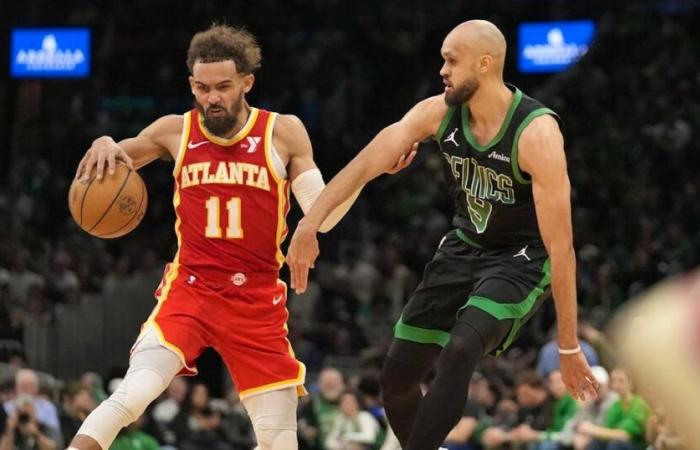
[(308, 186)]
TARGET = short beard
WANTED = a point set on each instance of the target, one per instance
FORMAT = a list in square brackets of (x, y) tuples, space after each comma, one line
[(222, 125), (462, 94)]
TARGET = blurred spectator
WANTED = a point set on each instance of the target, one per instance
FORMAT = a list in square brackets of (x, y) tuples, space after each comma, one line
[(27, 385), (352, 429), (23, 431), (62, 282), (133, 438), (94, 384), (563, 411), (197, 426), (593, 411), (77, 404), (235, 421), (548, 356), (533, 413), (10, 326), (459, 437), (318, 414), (466, 435), (370, 393), (535, 405), (624, 424), (22, 278), (168, 407)]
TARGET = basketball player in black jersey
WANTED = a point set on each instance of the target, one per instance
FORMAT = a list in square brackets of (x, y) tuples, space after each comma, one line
[(511, 245)]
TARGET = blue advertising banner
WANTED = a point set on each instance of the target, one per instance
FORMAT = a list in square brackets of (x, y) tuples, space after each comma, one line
[(552, 46), (50, 53)]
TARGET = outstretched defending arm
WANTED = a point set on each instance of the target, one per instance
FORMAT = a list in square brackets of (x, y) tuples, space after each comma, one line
[(290, 138), (541, 154), (379, 156)]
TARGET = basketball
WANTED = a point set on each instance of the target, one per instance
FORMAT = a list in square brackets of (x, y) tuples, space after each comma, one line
[(110, 207)]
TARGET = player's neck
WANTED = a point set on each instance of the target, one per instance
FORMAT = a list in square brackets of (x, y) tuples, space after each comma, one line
[(241, 120), (489, 105)]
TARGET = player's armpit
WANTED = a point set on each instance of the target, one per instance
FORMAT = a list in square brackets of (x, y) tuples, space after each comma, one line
[(291, 140)]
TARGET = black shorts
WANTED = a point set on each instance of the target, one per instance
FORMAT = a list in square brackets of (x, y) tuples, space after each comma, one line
[(507, 284)]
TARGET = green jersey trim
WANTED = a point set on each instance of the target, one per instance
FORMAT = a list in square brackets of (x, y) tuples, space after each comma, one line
[(517, 96), (504, 311), (466, 240), (443, 125), (515, 311), (420, 335), (514, 151)]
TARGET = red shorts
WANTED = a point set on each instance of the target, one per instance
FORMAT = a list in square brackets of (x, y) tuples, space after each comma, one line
[(241, 316)]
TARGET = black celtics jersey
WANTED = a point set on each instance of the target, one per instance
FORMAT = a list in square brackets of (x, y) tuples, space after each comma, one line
[(493, 198)]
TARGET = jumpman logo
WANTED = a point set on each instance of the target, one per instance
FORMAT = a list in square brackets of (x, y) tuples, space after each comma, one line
[(451, 137), (522, 253)]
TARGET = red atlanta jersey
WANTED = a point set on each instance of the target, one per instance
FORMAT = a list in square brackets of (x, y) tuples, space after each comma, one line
[(231, 204)]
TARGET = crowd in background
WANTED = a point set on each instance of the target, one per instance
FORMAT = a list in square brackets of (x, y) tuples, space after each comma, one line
[(630, 110)]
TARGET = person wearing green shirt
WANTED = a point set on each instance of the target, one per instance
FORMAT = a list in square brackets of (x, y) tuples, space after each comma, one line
[(132, 438), (563, 410), (626, 420)]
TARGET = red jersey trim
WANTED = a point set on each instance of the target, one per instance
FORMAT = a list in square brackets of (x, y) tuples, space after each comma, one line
[(282, 191), (268, 148), (243, 132), (186, 121)]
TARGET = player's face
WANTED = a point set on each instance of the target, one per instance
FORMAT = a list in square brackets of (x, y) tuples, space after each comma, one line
[(620, 382), (458, 74), (219, 91), (349, 405)]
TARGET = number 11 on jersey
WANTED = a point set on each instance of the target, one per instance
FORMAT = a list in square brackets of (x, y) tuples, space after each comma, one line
[(213, 228)]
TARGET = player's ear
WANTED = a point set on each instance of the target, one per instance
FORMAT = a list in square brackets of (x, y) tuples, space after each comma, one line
[(191, 80), (485, 63), (248, 82)]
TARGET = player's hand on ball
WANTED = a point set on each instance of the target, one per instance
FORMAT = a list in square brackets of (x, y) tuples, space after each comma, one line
[(577, 377), (405, 160), (303, 251), (103, 151)]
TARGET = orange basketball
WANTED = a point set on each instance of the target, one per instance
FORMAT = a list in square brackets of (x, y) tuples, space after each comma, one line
[(111, 207)]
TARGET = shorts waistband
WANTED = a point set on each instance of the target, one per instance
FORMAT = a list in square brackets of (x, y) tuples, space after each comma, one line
[(233, 278)]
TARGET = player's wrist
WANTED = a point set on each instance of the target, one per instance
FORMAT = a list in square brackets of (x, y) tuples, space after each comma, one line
[(569, 350), (308, 224)]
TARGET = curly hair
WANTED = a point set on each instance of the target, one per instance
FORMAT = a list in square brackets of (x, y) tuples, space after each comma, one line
[(224, 42)]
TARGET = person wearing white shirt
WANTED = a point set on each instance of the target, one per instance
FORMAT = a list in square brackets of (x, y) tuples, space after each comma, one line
[(352, 429)]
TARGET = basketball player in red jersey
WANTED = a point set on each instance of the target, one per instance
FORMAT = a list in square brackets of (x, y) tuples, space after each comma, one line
[(234, 165)]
